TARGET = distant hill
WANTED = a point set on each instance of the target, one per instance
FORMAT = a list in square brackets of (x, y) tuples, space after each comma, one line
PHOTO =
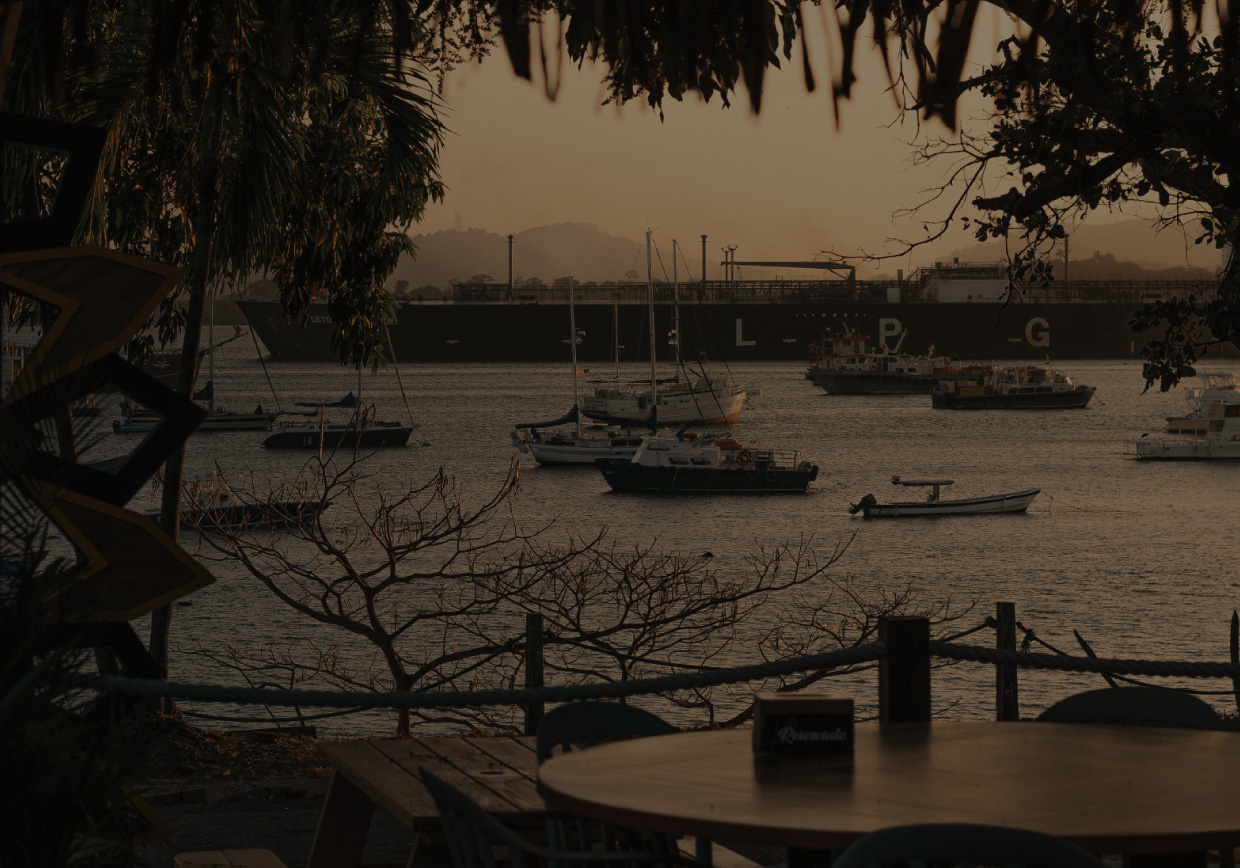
[(1130, 249), (545, 252)]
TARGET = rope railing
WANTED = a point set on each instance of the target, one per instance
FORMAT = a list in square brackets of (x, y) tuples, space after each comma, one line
[(145, 688), (1098, 665), (872, 651)]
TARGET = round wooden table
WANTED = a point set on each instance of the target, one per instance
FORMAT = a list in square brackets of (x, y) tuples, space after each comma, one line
[(1111, 789)]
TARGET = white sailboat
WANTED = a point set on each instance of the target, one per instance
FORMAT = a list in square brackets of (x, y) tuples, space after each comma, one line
[(705, 401), (573, 446)]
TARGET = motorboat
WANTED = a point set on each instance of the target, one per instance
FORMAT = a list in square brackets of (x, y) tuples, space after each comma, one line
[(848, 365), (1221, 439), (577, 445), (686, 463), (934, 504), (1212, 388), (1002, 388)]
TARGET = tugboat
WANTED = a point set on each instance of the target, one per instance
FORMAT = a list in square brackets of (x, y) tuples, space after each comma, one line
[(1031, 388), (688, 464)]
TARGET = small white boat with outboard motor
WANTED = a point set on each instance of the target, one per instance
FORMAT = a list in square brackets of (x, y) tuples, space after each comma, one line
[(1016, 501)]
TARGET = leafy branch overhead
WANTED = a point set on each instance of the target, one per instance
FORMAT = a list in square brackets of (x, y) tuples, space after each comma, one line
[(1090, 105)]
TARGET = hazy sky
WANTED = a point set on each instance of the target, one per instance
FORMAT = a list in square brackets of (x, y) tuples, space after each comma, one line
[(784, 184)]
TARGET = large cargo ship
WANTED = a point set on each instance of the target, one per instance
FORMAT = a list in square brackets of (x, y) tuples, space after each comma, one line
[(959, 310)]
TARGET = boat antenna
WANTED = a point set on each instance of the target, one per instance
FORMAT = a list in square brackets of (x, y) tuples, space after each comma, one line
[(654, 375), (572, 341)]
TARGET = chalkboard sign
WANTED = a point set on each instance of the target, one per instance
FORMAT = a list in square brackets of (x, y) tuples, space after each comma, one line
[(817, 724)]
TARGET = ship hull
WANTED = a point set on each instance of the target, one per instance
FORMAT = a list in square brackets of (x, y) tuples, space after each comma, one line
[(1068, 400), (737, 332)]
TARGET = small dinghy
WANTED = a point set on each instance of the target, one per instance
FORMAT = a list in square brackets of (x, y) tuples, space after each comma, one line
[(1017, 501)]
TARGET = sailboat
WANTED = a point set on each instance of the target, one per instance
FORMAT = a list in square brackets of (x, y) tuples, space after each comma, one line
[(705, 401), (687, 463), (575, 446), (139, 420)]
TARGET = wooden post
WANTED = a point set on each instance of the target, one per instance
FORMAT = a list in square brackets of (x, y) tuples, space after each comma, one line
[(904, 673), (533, 670), (1007, 695)]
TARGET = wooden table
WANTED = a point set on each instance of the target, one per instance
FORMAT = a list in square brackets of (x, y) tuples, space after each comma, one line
[(497, 772), (1112, 789)]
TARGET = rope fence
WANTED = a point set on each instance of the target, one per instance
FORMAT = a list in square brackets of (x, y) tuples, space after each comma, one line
[(872, 651)]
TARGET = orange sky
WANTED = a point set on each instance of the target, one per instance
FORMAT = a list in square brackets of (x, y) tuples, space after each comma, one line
[(784, 184)]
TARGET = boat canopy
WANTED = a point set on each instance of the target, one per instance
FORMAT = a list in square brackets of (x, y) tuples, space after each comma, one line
[(896, 480), (571, 416)]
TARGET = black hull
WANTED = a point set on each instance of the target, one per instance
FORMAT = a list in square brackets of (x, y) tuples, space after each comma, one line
[(1052, 401), (625, 476), (737, 332)]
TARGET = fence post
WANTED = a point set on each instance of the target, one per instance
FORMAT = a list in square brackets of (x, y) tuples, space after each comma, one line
[(533, 670), (904, 672), (1007, 695)]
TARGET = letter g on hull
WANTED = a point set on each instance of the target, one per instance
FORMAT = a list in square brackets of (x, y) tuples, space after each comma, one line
[(1038, 332)]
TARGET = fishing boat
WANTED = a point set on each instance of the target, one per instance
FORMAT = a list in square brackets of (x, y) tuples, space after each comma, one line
[(869, 507), (1221, 439), (1028, 388), (847, 365), (360, 432), (1212, 388), (699, 399), (575, 446), (689, 464)]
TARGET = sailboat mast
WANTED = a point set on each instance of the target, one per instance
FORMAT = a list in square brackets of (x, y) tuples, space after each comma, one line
[(572, 341), (675, 310), (654, 376)]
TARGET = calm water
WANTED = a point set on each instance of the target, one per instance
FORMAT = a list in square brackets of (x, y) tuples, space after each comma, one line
[(1140, 557)]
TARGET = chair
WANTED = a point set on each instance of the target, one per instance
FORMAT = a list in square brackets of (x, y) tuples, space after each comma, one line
[(474, 835), (1140, 706), (953, 844), (586, 724)]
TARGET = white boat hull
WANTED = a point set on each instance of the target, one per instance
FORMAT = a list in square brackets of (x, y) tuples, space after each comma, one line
[(1017, 501), (576, 453)]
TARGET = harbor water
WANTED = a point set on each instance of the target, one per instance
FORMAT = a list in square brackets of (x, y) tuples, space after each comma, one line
[(1139, 557)]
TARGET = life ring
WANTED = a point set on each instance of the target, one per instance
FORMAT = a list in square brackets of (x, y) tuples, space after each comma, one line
[(743, 458)]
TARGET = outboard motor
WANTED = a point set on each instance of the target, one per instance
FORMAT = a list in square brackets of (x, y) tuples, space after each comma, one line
[(868, 500)]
